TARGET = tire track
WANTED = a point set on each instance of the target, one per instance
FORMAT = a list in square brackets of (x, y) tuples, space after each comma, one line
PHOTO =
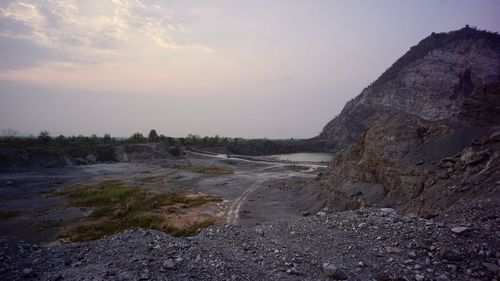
[(233, 213)]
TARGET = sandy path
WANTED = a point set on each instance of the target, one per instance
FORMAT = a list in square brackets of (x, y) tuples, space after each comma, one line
[(233, 214)]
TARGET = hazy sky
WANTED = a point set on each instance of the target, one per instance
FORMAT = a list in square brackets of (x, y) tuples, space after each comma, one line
[(274, 69)]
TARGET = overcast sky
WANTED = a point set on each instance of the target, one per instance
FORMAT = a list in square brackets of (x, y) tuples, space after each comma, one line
[(275, 69)]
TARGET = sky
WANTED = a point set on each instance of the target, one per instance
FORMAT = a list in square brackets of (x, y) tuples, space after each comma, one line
[(246, 68)]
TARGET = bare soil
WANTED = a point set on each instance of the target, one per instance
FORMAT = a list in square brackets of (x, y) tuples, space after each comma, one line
[(255, 192)]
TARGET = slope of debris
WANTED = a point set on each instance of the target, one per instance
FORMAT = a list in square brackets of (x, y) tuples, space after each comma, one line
[(367, 244)]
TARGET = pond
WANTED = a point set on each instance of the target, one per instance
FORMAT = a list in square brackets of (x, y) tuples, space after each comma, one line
[(304, 157)]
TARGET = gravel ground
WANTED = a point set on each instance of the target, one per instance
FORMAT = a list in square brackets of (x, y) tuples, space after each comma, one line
[(368, 244)]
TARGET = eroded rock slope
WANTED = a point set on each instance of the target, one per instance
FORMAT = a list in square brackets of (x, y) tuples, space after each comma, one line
[(442, 77), (424, 137)]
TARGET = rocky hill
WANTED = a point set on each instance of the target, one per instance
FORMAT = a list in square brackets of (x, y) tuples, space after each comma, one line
[(439, 79), (424, 136)]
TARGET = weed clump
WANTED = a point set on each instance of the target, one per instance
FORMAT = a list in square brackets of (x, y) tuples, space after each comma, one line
[(117, 207), (207, 170)]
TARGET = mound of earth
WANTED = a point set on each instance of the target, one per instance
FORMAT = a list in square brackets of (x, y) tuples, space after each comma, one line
[(368, 244)]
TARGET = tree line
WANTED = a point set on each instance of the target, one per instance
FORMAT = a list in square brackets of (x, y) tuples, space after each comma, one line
[(215, 143)]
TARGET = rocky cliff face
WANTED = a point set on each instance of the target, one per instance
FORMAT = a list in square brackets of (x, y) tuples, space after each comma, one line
[(434, 81), (440, 101)]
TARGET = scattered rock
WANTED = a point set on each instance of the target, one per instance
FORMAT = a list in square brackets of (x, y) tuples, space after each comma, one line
[(407, 247), (56, 277), (451, 255), (459, 229), (259, 230), (382, 276), (28, 272), (169, 264), (393, 250), (442, 277), (493, 268), (388, 211), (334, 272)]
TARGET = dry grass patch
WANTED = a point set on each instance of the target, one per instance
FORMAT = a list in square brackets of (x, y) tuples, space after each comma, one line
[(117, 206), (207, 170), (190, 229)]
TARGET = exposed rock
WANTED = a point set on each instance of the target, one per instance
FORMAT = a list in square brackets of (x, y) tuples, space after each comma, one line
[(412, 254), (470, 157), (439, 103), (169, 264), (393, 250), (56, 277), (27, 272), (451, 255), (334, 272), (225, 250), (442, 277), (435, 80), (419, 277), (459, 229), (493, 268)]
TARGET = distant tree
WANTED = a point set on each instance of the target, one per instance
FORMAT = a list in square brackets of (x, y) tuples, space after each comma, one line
[(9, 133), (94, 139), (137, 138), (205, 141), (44, 137), (153, 136), (60, 140), (107, 139)]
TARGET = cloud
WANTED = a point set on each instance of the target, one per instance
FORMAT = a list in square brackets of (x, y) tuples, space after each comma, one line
[(92, 31), (17, 54)]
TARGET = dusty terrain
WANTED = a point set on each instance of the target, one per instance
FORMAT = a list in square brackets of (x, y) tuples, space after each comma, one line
[(248, 193), (272, 229), (368, 244)]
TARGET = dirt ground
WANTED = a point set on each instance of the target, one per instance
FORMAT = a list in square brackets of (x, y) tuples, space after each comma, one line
[(257, 192)]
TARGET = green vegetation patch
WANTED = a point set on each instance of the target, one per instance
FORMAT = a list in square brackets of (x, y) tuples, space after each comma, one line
[(207, 170), (117, 207), (5, 215)]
